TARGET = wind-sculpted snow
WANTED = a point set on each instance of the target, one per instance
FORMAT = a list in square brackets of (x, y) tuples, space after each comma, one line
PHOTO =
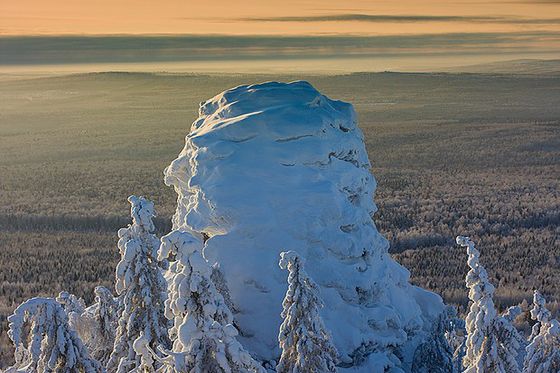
[(274, 167)]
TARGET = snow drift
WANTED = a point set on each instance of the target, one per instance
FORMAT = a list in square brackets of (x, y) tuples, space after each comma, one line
[(274, 167)]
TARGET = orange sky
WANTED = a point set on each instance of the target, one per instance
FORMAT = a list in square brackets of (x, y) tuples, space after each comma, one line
[(37, 17)]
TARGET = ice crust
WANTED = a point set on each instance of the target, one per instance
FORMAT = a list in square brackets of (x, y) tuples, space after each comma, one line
[(278, 166)]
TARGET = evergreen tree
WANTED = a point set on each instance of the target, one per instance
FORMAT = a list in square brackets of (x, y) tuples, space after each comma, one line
[(539, 313), (543, 351), (492, 343), (44, 342), (96, 325), (306, 344), (142, 288), (204, 338), (436, 355)]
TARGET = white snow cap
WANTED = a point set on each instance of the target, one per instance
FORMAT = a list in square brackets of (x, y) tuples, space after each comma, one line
[(279, 166)]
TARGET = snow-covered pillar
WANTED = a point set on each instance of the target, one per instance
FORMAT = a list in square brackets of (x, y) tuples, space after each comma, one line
[(279, 166)]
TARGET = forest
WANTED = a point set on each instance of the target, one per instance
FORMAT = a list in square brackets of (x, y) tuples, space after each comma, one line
[(451, 157)]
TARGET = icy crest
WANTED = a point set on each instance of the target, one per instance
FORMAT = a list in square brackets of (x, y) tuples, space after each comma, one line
[(279, 166)]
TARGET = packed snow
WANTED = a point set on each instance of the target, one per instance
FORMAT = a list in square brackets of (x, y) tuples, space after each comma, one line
[(279, 166)]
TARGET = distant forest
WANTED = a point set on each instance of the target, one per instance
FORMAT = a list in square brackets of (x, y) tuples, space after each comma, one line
[(453, 154)]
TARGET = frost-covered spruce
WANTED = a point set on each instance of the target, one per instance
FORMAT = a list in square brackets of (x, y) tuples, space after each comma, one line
[(106, 316), (543, 351), (97, 324), (436, 354), (44, 342), (204, 339), (456, 337), (539, 313), (306, 344), (142, 289), (492, 343)]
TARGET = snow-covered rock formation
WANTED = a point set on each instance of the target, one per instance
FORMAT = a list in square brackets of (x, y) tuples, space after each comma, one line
[(274, 167)]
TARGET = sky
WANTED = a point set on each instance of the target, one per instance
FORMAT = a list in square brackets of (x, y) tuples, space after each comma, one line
[(368, 35), (273, 17)]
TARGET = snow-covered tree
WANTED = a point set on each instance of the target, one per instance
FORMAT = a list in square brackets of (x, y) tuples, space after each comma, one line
[(44, 342), (96, 325), (436, 354), (105, 316), (543, 351), (204, 338), (306, 344), (142, 288), (539, 313), (492, 343)]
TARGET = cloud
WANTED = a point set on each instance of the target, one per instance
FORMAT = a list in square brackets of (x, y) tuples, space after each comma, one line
[(90, 49), (384, 18), (368, 18)]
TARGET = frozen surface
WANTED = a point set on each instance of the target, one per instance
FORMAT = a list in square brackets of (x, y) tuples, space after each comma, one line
[(274, 167)]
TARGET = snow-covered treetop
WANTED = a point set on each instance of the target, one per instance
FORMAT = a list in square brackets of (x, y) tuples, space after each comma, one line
[(70, 302), (193, 296), (204, 338), (543, 350), (492, 342), (481, 290), (135, 240), (273, 166), (179, 244), (142, 287), (142, 212), (539, 312)]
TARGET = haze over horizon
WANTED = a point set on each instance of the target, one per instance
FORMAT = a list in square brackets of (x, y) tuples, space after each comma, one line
[(357, 36)]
